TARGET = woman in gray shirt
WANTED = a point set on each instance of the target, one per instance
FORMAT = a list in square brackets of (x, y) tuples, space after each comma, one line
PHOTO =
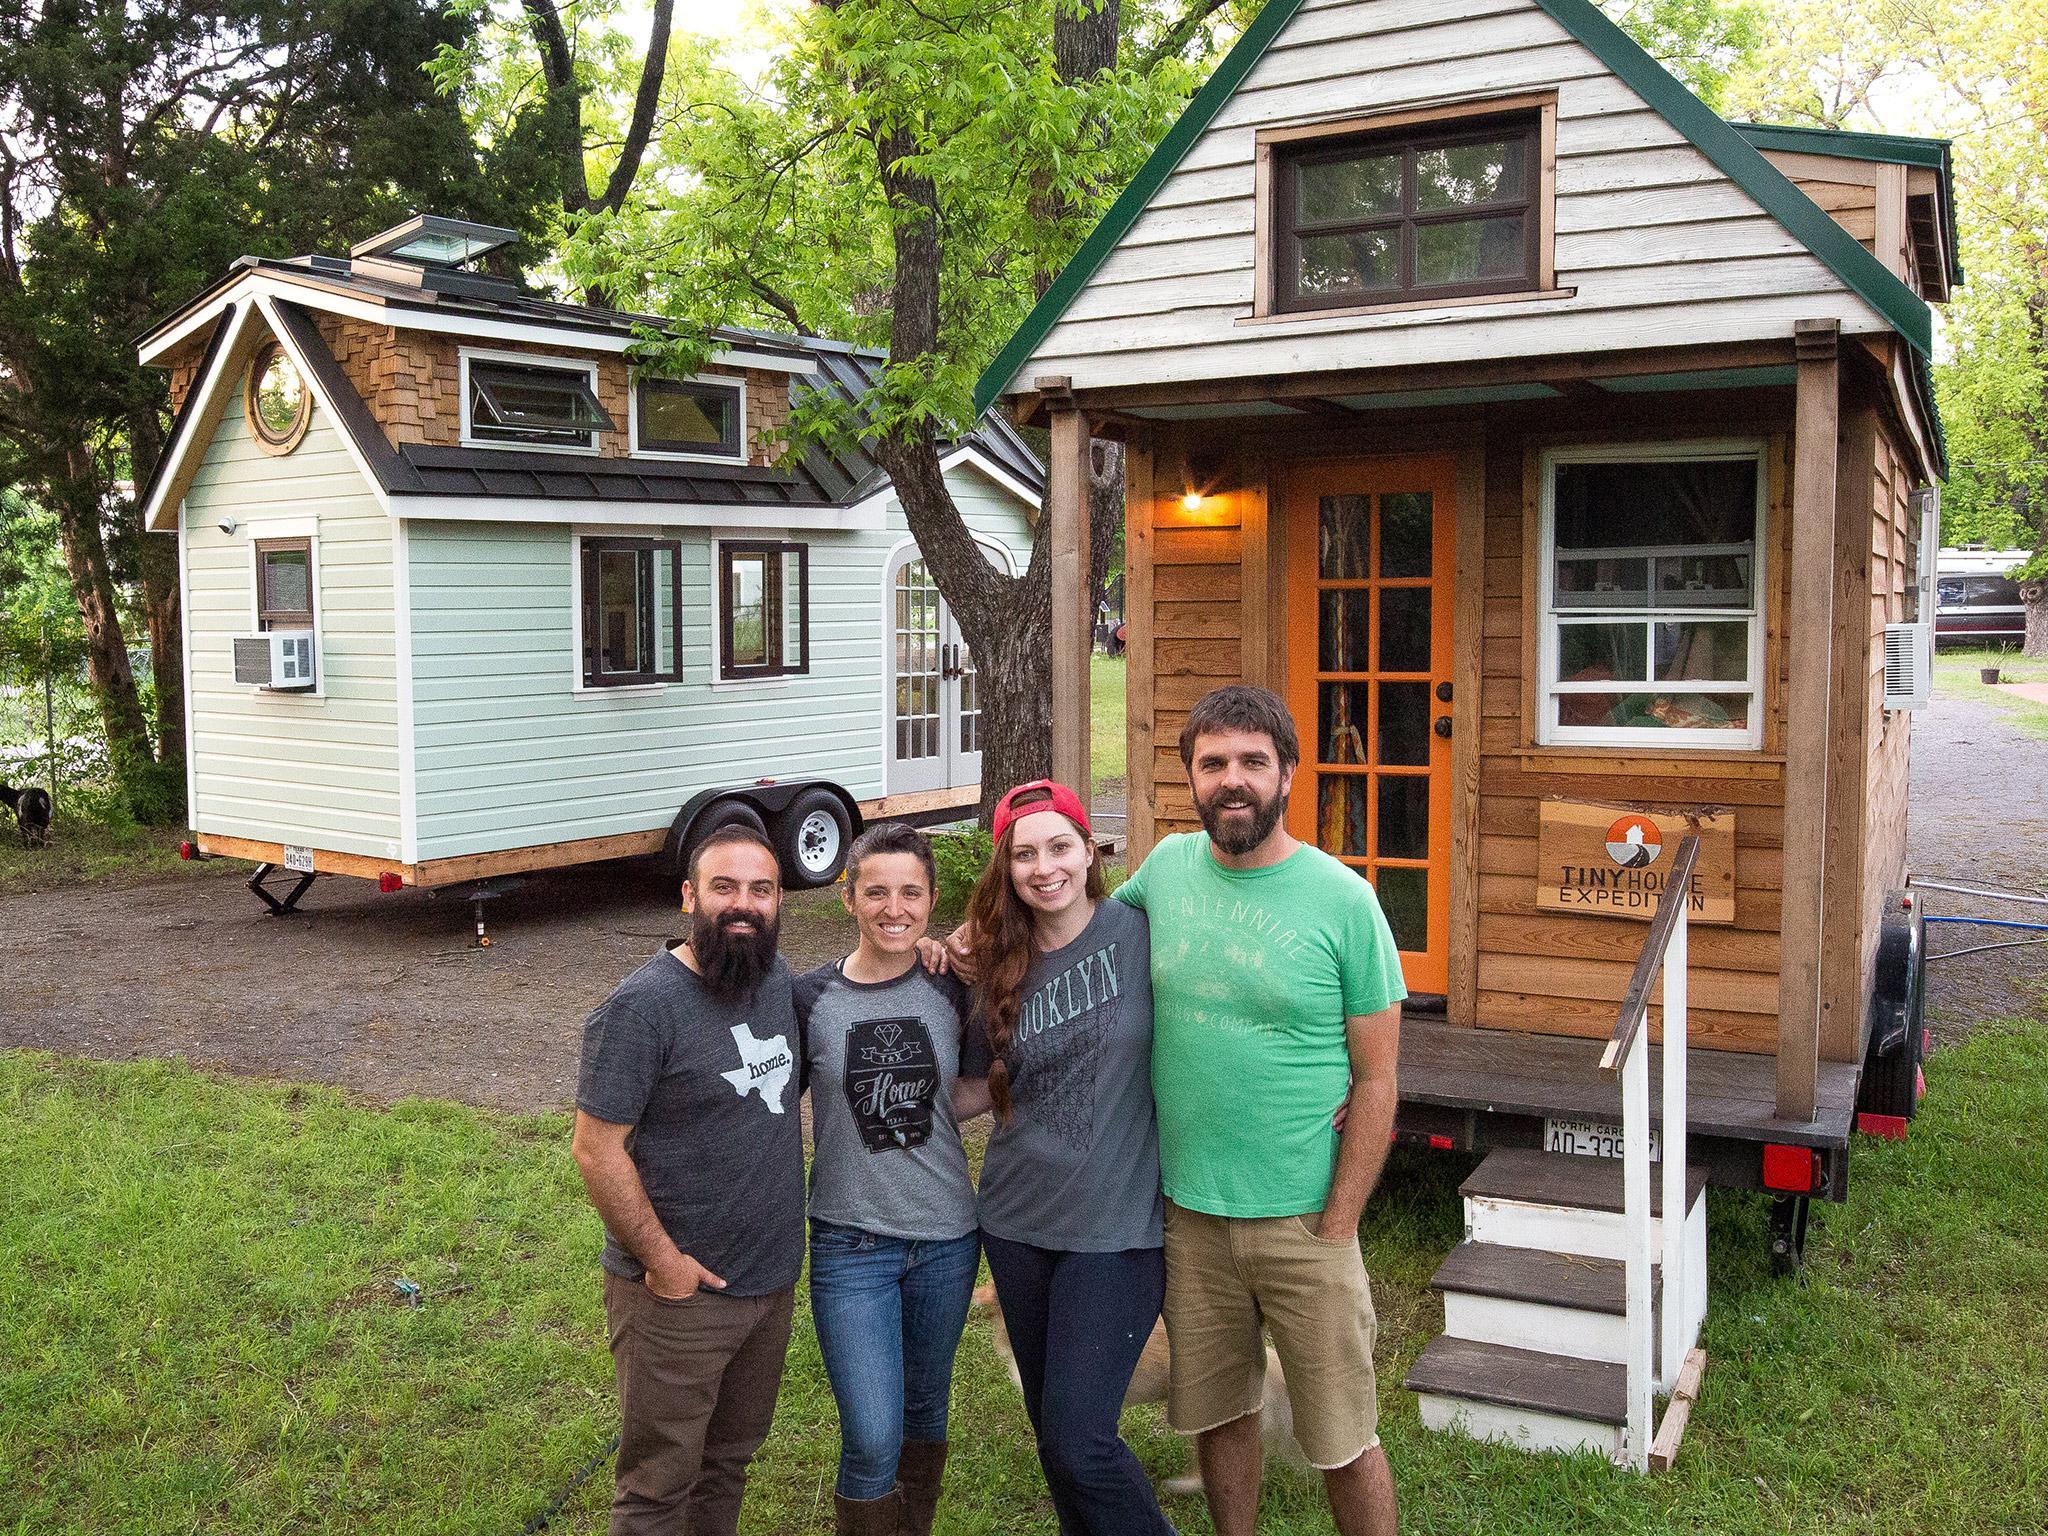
[(894, 1246), (1070, 1202)]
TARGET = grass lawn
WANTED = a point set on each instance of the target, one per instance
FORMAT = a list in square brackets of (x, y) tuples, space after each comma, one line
[(198, 1333), (1106, 742), (1956, 676), (85, 851)]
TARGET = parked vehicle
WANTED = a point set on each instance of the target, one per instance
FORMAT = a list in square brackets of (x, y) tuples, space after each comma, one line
[(1976, 600)]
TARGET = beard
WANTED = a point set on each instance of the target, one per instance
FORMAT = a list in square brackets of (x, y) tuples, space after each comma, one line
[(732, 961), (1239, 834)]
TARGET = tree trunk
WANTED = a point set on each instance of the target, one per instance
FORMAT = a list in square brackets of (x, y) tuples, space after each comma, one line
[(2035, 595), (76, 501), (156, 557)]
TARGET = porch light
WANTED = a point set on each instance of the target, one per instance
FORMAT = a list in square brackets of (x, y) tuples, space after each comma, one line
[(1192, 502)]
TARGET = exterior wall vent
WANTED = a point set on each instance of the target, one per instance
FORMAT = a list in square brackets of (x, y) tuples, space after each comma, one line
[(1908, 665)]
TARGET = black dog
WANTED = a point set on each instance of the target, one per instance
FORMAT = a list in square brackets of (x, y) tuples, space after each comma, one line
[(31, 809)]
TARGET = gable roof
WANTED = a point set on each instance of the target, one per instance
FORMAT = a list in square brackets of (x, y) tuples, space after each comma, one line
[(419, 475), (1860, 271)]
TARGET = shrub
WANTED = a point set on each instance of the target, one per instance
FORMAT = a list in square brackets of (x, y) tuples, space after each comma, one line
[(962, 856)]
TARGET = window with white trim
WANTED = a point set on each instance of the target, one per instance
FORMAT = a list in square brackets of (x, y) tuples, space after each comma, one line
[(696, 418), (532, 405), (764, 609), (632, 599), (1651, 594)]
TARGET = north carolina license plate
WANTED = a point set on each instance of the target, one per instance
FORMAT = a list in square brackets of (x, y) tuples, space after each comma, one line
[(300, 859), (1589, 1138)]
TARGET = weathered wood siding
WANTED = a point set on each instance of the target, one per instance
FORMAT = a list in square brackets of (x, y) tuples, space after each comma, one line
[(1565, 974), (1893, 534), (1657, 243), (321, 771), (510, 754)]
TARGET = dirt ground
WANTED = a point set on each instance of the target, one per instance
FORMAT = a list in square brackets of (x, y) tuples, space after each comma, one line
[(383, 994)]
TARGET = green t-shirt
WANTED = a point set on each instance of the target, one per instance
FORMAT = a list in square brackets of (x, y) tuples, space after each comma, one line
[(1254, 972)]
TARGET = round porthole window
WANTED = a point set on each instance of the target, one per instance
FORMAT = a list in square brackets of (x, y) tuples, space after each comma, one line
[(278, 405)]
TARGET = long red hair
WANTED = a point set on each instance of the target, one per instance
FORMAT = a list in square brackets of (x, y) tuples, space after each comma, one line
[(1004, 945)]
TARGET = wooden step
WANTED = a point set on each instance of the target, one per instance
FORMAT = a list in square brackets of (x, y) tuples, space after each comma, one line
[(1557, 1178), (1585, 1390), (1539, 1276)]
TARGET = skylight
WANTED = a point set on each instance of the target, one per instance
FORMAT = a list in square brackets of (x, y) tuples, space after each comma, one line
[(428, 240)]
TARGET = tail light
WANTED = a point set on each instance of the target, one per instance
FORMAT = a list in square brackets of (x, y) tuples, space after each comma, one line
[(188, 851), (389, 881), (1793, 1170)]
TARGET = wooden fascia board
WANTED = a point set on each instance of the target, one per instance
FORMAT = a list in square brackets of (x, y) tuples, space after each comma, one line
[(1719, 141)]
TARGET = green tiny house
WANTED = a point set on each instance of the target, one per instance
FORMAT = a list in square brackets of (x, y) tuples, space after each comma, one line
[(544, 605)]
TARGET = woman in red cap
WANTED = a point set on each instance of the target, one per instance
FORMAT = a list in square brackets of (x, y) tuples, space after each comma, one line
[(1070, 1201)]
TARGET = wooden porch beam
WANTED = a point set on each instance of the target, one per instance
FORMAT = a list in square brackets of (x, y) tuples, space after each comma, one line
[(1816, 414), (1073, 621)]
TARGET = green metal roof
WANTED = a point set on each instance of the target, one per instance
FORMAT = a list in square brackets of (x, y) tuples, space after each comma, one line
[(1720, 142)]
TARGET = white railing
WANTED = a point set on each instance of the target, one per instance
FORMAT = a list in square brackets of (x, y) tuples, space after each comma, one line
[(1628, 1057)]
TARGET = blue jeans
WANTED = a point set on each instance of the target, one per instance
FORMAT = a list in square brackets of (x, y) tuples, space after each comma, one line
[(889, 1312), (1077, 1323)]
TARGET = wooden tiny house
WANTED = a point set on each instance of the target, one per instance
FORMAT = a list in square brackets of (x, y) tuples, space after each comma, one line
[(1561, 453)]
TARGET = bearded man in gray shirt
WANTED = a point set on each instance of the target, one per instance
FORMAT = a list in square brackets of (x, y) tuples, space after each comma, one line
[(688, 1139)]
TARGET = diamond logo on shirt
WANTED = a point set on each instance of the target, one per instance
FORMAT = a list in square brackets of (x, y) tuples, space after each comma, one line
[(764, 1067)]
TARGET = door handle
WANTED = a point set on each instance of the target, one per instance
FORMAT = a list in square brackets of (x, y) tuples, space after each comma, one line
[(1443, 693), (1443, 726)]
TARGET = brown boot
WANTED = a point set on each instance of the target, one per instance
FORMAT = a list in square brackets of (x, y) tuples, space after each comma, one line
[(868, 1517), (919, 1471)]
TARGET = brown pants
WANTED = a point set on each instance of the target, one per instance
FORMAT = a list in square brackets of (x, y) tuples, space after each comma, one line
[(697, 1383)]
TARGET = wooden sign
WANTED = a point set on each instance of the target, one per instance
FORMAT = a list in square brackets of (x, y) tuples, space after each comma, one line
[(1596, 860)]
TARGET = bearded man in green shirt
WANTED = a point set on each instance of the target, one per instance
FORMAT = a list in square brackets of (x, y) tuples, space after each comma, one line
[(1277, 997)]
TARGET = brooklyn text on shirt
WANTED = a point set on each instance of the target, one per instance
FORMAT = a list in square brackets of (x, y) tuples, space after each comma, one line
[(1087, 983), (1277, 932)]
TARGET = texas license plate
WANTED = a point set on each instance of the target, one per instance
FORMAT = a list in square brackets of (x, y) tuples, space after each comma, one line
[(1589, 1138), (300, 859)]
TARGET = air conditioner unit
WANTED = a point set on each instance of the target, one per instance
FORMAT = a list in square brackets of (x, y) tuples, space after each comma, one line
[(277, 658), (1908, 664)]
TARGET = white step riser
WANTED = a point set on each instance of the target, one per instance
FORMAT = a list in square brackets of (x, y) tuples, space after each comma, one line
[(1549, 1330), (1526, 1429)]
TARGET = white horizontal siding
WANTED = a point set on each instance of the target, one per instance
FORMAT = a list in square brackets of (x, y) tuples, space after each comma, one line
[(509, 754), (1659, 245), (283, 767)]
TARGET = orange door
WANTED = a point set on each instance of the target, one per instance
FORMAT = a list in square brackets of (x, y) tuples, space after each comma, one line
[(1369, 599)]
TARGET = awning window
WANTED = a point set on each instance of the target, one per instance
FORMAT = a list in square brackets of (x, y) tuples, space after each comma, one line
[(518, 403)]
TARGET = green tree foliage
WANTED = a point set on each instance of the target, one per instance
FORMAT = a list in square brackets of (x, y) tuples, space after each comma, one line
[(144, 145), (1703, 42)]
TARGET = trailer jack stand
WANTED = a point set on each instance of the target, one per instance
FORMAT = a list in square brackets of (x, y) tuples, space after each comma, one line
[(1788, 1233), (290, 904), (478, 895)]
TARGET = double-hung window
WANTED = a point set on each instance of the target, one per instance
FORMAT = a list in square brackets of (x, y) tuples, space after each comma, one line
[(632, 611), (532, 404), (284, 583), (695, 418), (1652, 589), (764, 609)]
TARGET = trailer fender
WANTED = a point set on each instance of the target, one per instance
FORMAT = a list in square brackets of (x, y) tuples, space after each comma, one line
[(1889, 1093), (766, 802)]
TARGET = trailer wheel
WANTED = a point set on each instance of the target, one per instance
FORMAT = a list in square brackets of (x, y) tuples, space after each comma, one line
[(811, 838), (1890, 1091), (725, 813)]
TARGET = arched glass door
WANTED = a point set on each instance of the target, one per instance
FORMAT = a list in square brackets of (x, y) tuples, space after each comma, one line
[(934, 728)]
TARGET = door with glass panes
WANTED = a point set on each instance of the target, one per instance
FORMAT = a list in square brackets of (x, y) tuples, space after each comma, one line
[(934, 728), (1370, 567)]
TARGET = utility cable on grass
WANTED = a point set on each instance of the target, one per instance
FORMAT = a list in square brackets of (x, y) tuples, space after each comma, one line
[(568, 1490)]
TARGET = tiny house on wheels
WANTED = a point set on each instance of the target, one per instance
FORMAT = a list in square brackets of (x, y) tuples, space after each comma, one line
[(467, 594), (1564, 455)]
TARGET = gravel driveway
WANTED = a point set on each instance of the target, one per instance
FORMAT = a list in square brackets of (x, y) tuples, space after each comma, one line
[(383, 995)]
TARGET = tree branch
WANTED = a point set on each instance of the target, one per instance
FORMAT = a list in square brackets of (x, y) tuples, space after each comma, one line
[(652, 68)]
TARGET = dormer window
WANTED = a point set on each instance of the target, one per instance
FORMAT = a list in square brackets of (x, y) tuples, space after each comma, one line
[(1407, 214), (532, 404), (702, 418)]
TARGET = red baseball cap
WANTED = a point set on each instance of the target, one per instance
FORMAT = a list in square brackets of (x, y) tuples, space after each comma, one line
[(1057, 798)]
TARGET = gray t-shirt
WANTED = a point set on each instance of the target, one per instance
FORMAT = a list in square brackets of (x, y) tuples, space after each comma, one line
[(1077, 1167), (710, 1089), (882, 1058)]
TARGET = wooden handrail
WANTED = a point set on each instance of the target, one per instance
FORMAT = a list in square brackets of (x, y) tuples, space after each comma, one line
[(1635, 1003)]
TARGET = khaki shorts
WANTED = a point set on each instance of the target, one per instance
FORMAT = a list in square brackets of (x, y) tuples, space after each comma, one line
[(1225, 1276)]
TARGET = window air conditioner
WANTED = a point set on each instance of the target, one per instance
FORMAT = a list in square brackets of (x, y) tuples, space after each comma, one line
[(277, 658), (1908, 665)]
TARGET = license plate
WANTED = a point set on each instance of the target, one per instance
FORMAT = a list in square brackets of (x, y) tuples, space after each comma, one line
[(299, 859), (1589, 1138)]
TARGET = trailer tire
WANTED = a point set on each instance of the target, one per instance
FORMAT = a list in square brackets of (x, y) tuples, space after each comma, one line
[(811, 838), (1898, 1013), (723, 813)]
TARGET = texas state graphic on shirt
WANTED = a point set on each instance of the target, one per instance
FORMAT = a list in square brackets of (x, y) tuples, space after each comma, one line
[(764, 1067)]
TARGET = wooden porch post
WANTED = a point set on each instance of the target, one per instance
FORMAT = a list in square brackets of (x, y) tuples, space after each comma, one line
[(1073, 617), (1139, 752), (1810, 635)]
